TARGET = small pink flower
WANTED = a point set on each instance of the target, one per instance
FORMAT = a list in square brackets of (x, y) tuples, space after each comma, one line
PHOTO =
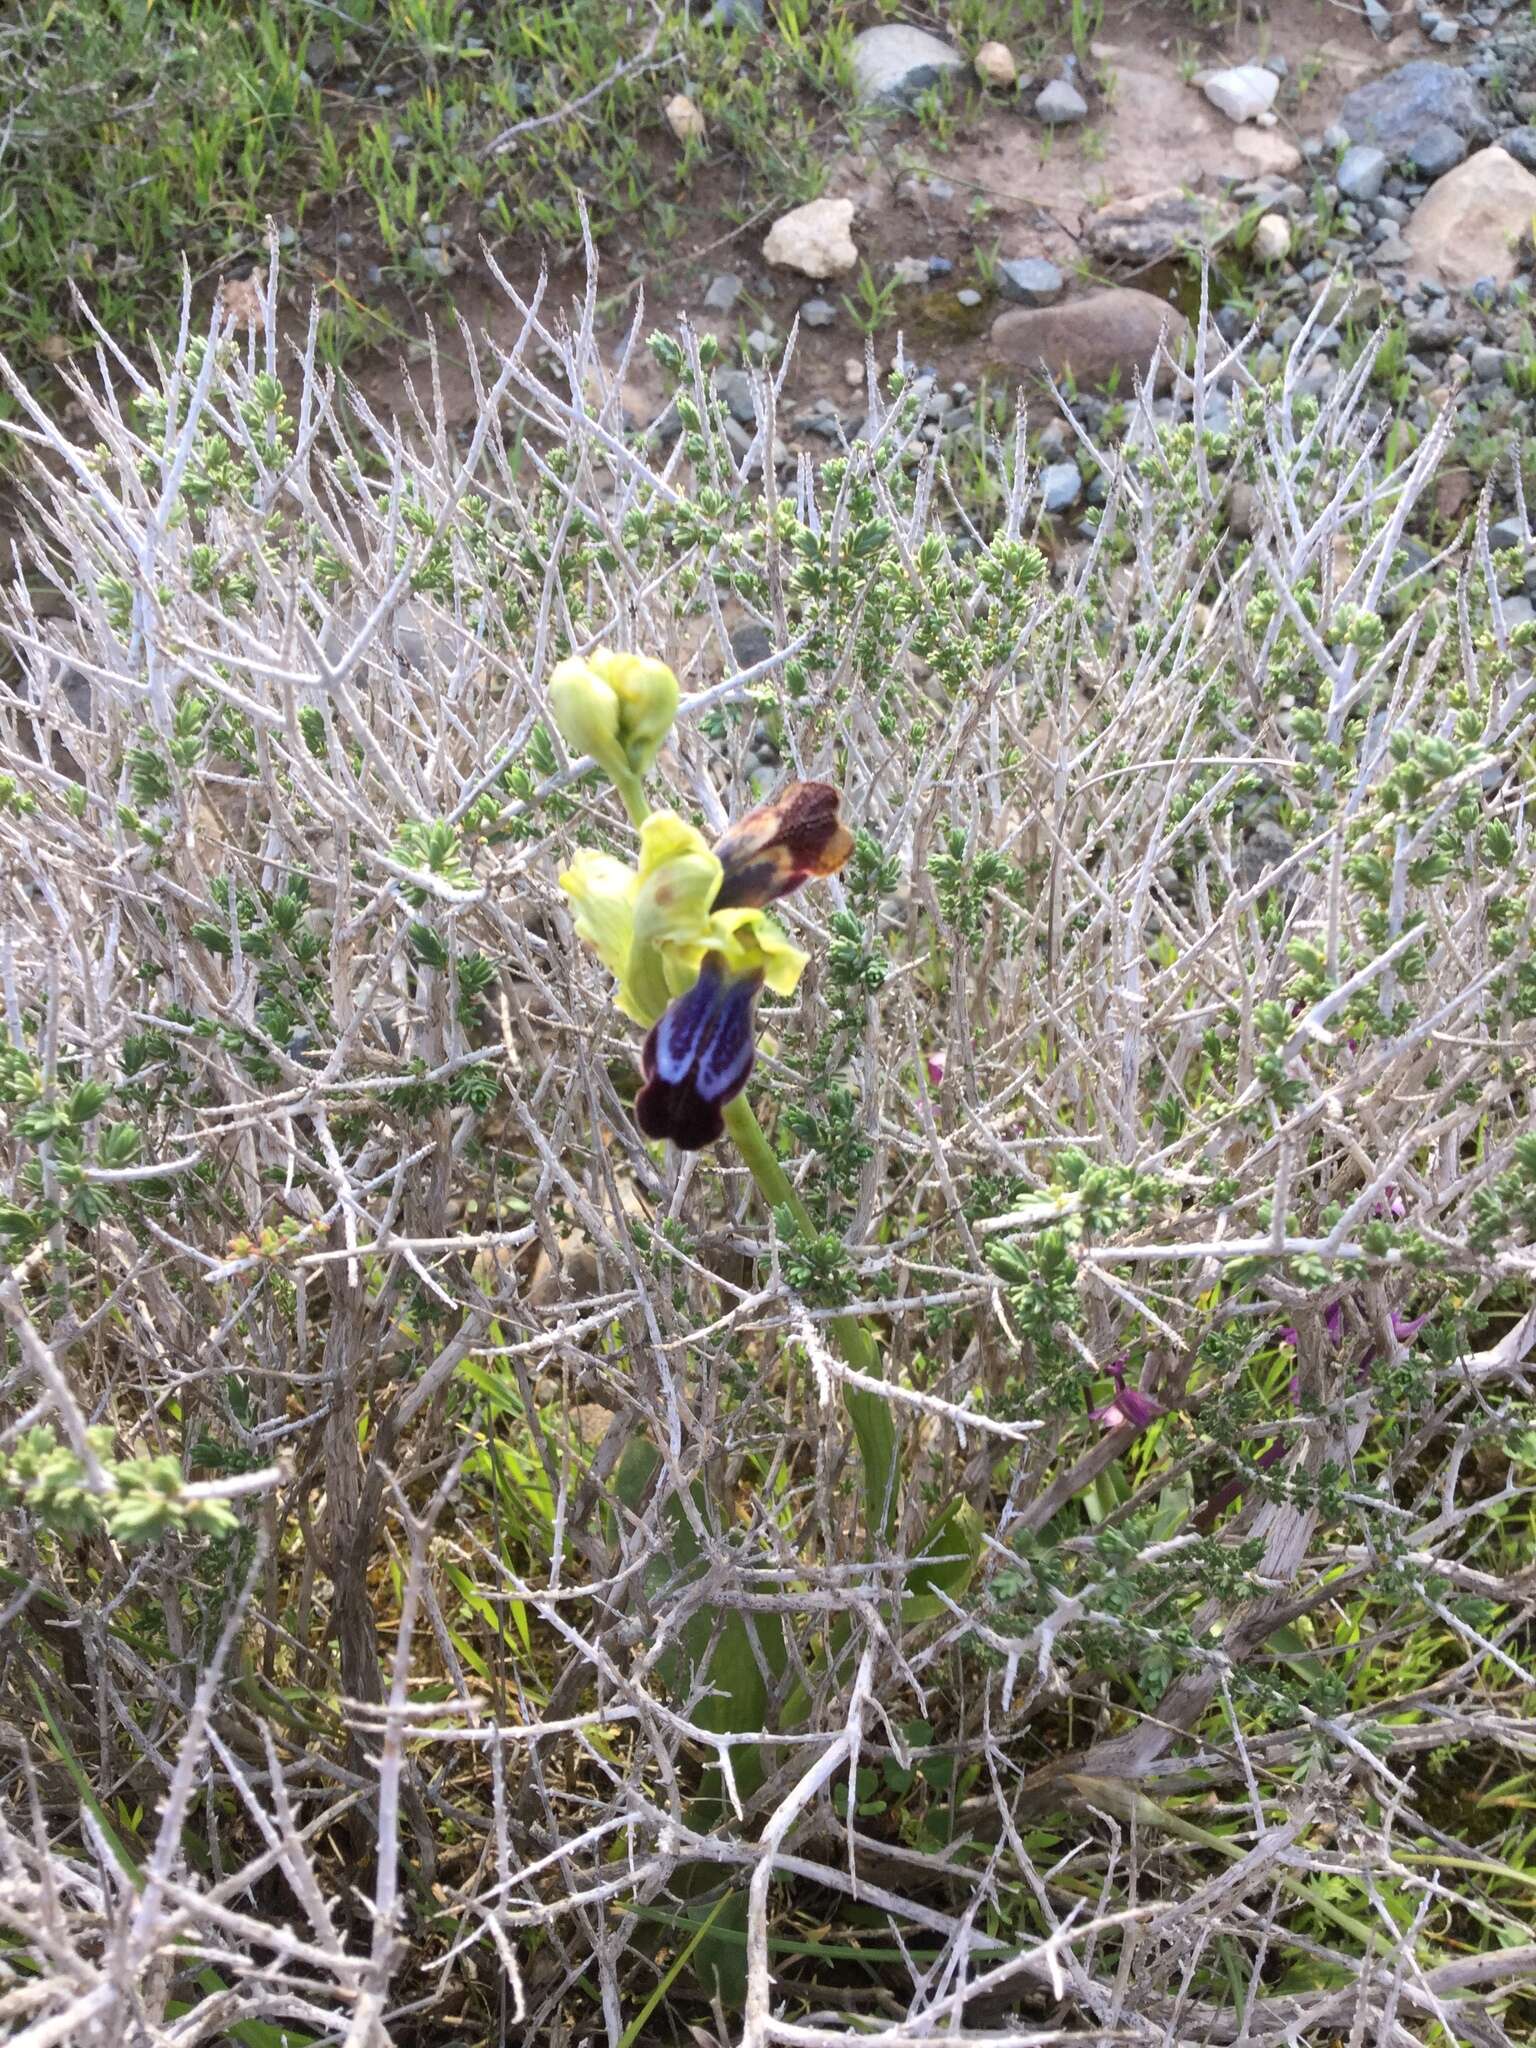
[(936, 1069)]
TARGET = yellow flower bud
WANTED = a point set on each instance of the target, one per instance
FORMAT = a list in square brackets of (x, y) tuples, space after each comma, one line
[(647, 692), (618, 708), (587, 713)]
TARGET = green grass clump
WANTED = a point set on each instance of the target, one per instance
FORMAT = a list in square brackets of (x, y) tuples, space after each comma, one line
[(140, 132)]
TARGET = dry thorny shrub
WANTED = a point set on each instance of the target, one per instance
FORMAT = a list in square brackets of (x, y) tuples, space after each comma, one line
[(467, 1617)]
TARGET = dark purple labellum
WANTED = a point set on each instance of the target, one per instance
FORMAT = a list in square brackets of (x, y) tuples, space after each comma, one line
[(698, 1056)]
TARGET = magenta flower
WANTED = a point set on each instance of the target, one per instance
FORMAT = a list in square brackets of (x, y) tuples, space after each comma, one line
[(1128, 1406)]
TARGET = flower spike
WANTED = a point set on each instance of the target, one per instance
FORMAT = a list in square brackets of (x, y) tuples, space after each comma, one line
[(686, 933)]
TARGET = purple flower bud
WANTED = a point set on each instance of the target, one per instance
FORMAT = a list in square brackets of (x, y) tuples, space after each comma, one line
[(794, 836)]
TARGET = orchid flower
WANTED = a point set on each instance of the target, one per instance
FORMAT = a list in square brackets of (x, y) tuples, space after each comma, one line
[(687, 938), (1127, 1405)]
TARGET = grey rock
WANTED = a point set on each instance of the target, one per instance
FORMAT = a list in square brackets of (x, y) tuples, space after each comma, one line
[(1060, 104), (1488, 364), (723, 292), (1507, 533), (1445, 33), (735, 387), (1060, 487), (1520, 143), (737, 437), (1030, 281), (1362, 171), (1336, 137), (817, 313), (924, 192), (750, 645), (1392, 209), (761, 344), (939, 266), (1266, 847), (1438, 149), (1279, 65), (666, 426), (828, 424), (344, 240), (1394, 111), (1150, 229), (1518, 611), (894, 64), (968, 298), (1380, 20), (1217, 415)]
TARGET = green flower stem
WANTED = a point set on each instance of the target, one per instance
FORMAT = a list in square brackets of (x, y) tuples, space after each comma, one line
[(871, 1415), (631, 790)]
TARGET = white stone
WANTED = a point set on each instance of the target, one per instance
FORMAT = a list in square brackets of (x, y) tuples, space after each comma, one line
[(1272, 239), (895, 63), (816, 239), (995, 65), (684, 118), (1242, 93)]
